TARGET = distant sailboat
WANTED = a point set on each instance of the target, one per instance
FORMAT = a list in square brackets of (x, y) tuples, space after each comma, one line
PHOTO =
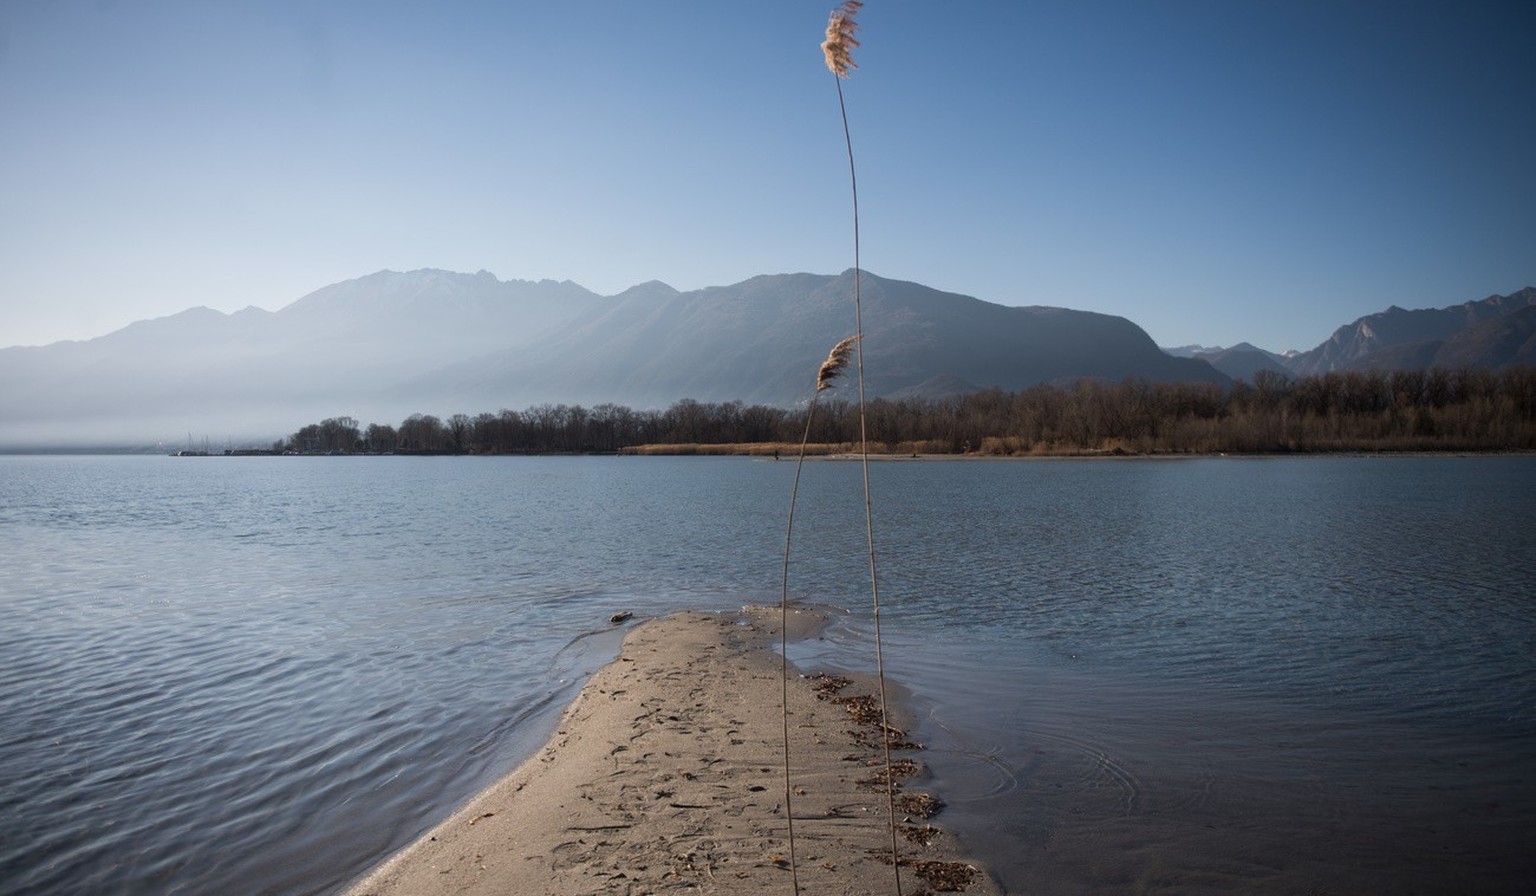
[(189, 451)]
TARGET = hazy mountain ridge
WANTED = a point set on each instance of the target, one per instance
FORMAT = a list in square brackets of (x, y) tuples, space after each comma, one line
[(761, 341), (1244, 361), (389, 344), (1492, 333), (250, 373)]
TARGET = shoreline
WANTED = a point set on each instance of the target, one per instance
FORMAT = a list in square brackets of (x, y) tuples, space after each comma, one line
[(667, 773), (1110, 457)]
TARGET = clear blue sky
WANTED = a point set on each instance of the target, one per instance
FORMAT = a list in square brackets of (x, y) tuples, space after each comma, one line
[(1215, 171)]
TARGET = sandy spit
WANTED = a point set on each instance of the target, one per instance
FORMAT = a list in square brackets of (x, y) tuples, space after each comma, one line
[(666, 775)]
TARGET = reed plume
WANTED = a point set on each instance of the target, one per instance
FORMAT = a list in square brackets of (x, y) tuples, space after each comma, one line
[(833, 367), (838, 47)]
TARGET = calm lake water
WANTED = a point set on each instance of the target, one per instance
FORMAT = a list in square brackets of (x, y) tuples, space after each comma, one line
[(262, 675)]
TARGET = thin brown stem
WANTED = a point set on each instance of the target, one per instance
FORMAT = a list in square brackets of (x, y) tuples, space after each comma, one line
[(789, 530), (869, 517)]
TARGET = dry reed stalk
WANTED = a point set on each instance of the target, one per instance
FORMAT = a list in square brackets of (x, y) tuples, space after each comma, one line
[(837, 49), (837, 360)]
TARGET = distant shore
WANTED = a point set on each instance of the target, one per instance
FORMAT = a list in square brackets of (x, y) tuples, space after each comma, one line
[(845, 451), (828, 451), (667, 772)]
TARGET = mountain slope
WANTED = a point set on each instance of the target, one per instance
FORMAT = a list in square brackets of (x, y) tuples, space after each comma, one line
[(1490, 345), (761, 341), (259, 373), (1401, 339), (1243, 361), (389, 344)]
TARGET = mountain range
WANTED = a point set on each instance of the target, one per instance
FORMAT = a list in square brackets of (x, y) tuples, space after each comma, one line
[(1496, 332), (1488, 334), (386, 345)]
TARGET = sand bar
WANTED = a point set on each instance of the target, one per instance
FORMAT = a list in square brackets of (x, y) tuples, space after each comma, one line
[(666, 775)]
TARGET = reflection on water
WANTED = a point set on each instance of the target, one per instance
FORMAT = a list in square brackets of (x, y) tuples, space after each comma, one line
[(1118, 787), (262, 674), (1209, 676)]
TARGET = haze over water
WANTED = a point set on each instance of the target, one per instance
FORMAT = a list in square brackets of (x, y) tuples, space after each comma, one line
[(247, 675)]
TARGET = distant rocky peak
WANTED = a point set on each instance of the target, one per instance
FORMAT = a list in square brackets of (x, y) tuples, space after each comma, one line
[(1365, 343)]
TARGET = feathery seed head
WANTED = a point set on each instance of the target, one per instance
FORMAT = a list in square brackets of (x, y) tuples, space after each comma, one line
[(838, 47), (837, 359)]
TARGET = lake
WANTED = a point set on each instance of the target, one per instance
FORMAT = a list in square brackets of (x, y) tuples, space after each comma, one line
[(1279, 675)]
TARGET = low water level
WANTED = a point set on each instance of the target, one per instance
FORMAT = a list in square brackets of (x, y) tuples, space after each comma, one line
[(261, 675)]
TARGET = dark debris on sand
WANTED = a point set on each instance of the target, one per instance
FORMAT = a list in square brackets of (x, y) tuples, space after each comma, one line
[(938, 877)]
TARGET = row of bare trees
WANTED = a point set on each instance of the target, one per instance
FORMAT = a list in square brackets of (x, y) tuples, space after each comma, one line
[(1432, 410), (547, 429)]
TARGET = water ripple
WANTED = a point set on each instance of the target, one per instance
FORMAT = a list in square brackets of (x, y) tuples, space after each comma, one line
[(261, 675)]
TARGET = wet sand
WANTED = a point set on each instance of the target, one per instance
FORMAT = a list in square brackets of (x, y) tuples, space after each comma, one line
[(666, 774)]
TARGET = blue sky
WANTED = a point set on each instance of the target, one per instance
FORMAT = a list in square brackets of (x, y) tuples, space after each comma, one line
[(1214, 171)]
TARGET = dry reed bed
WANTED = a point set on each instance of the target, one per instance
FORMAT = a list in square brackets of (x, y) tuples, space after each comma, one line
[(786, 450)]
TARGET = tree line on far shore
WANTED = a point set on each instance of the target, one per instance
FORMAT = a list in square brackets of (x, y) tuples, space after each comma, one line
[(1427, 410)]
